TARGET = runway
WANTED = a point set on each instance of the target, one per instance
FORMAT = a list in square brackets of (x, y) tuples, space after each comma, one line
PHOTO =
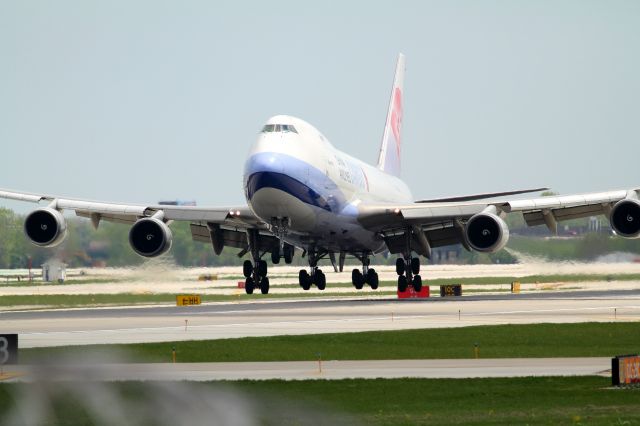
[(267, 318), (306, 370)]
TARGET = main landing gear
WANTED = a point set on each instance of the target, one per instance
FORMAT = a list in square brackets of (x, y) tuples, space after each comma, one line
[(366, 276), (314, 276), (256, 276), (408, 270), (255, 272)]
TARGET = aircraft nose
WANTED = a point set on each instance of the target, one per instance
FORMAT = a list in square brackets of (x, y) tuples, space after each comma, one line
[(269, 162)]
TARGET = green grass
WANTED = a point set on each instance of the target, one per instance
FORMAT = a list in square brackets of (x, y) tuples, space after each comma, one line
[(72, 300), (76, 300), (72, 281), (500, 401), (503, 401), (501, 341)]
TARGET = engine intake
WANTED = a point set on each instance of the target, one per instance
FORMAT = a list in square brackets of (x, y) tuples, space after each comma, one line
[(45, 227), (625, 218), (486, 232), (150, 237)]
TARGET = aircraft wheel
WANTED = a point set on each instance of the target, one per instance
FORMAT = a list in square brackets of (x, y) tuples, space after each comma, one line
[(275, 256), (304, 279), (372, 278), (417, 283), (262, 268), (357, 279), (249, 285), (415, 265), (400, 266), (320, 280), (288, 253), (264, 285), (247, 268), (402, 283)]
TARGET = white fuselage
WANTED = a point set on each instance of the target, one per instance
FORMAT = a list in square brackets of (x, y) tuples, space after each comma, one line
[(294, 173)]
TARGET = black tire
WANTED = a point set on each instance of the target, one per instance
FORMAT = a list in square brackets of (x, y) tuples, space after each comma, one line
[(247, 268), (288, 253), (402, 283), (304, 279), (249, 285), (400, 266), (417, 283), (262, 268), (372, 279), (415, 265), (264, 285), (357, 279), (321, 280), (275, 256)]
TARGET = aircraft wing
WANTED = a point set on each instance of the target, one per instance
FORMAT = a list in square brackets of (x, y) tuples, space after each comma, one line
[(223, 226), (129, 213), (443, 223)]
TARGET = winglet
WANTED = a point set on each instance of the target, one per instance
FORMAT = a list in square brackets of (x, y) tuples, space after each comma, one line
[(389, 158)]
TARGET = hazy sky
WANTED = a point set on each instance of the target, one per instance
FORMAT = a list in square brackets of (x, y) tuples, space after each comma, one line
[(144, 100)]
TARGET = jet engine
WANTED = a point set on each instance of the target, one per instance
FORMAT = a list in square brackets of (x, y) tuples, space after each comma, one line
[(486, 232), (625, 218), (150, 237), (45, 227)]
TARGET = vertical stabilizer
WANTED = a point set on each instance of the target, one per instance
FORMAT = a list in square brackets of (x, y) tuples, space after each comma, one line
[(389, 159)]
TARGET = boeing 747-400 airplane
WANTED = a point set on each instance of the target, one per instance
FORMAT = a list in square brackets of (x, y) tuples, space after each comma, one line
[(303, 192)]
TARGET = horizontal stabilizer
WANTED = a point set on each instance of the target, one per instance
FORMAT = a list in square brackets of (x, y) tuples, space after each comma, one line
[(481, 196)]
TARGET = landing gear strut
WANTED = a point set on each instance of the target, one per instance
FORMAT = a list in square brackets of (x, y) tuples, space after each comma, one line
[(314, 276), (366, 276)]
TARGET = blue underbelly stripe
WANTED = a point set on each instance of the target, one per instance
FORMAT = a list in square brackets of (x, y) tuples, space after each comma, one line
[(282, 182)]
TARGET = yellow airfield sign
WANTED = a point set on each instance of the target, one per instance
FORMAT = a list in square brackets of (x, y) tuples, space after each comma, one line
[(188, 299)]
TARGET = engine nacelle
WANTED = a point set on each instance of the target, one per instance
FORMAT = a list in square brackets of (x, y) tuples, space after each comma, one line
[(150, 237), (486, 232), (45, 227), (625, 218)]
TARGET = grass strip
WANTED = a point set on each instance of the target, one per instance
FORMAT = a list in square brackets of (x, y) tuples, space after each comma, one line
[(529, 279), (499, 341), (76, 300), (500, 401), (496, 401), (71, 281)]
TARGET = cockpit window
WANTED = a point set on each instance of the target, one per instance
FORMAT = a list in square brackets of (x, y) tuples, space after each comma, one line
[(269, 128)]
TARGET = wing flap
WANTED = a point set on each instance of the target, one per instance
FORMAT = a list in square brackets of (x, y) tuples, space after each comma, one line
[(536, 217), (235, 238), (446, 235)]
